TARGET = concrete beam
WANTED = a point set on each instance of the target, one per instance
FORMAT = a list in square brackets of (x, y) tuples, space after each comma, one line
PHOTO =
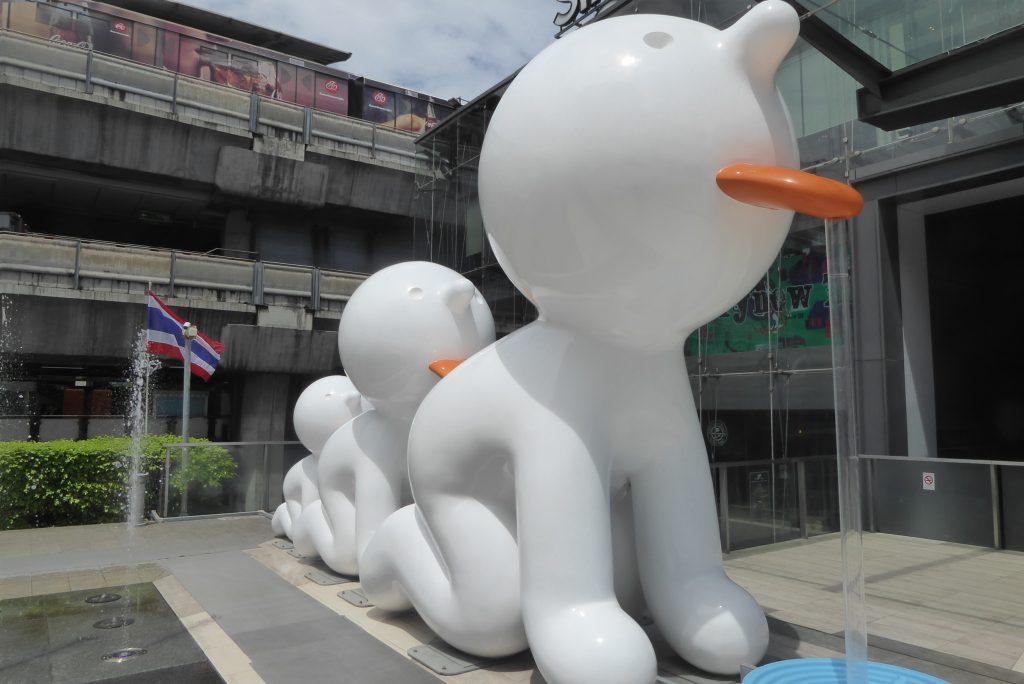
[(275, 179), (250, 348)]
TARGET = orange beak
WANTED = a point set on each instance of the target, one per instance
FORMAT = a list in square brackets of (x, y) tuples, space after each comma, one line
[(444, 366), (774, 187)]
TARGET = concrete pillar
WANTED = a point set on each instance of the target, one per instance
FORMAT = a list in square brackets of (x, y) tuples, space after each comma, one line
[(919, 387), (264, 407), (238, 231)]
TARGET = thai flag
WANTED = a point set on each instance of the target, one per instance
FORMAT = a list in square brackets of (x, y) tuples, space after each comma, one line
[(164, 337)]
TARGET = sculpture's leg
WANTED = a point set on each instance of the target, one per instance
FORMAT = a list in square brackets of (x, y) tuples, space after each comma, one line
[(333, 539), (453, 555), (709, 620), (281, 523), (576, 628), (627, 576)]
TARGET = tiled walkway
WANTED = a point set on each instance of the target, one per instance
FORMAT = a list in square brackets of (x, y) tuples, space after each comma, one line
[(952, 610)]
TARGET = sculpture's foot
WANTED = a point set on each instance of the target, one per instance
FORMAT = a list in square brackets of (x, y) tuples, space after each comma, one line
[(596, 643), (281, 522), (717, 626)]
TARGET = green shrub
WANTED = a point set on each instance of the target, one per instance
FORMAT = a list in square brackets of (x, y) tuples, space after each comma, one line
[(80, 482)]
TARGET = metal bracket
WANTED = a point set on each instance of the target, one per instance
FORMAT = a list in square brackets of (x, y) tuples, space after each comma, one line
[(356, 597), (326, 578), (439, 657), (283, 544)]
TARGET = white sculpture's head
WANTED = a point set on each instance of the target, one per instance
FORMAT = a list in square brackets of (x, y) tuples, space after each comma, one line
[(405, 326), (598, 172), (323, 407)]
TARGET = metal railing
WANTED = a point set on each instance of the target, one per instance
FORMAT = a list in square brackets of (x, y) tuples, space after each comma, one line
[(261, 451), (721, 471), (184, 96), (994, 481), (250, 282)]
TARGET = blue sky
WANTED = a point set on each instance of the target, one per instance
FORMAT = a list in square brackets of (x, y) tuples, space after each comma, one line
[(442, 47)]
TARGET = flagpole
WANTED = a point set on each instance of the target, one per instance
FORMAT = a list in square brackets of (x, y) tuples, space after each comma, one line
[(145, 396), (189, 332)]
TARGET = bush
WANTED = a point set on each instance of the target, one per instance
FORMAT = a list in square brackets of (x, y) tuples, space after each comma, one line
[(69, 482)]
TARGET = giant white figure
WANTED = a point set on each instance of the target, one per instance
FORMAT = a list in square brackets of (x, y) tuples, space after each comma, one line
[(322, 408), (609, 182), (403, 327)]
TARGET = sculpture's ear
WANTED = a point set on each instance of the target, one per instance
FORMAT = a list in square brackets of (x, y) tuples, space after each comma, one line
[(762, 37), (458, 295), (354, 402)]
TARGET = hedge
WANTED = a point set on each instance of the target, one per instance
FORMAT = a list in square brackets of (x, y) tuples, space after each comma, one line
[(81, 482)]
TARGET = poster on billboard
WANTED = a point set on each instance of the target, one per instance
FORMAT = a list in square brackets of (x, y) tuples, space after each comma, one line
[(411, 114), (788, 309), (379, 106), (332, 94)]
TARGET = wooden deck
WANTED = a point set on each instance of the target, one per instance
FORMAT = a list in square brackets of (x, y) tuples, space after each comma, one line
[(962, 601)]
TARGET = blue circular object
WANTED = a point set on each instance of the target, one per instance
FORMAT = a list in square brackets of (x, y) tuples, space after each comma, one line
[(833, 671)]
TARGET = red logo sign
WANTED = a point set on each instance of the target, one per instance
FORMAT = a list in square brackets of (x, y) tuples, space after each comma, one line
[(120, 27), (332, 86), (380, 98)]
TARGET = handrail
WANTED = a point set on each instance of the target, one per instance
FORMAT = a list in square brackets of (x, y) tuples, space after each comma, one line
[(941, 460)]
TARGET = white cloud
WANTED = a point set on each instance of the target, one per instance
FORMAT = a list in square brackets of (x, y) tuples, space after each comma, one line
[(442, 47)]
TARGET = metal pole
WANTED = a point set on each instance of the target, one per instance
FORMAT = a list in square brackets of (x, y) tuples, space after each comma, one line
[(266, 477), (167, 481), (997, 506), (801, 496), (188, 332), (723, 507)]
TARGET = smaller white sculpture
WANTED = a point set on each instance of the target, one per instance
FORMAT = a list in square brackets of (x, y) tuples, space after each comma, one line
[(322, 408), (403, 327)]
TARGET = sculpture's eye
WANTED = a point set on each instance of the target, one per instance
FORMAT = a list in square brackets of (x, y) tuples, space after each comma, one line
[(657, 39), (416, 292)]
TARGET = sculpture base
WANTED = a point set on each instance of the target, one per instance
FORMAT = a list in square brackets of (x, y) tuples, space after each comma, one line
[(829, 671)]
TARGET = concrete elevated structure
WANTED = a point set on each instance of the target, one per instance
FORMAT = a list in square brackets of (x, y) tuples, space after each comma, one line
[(255, 218)]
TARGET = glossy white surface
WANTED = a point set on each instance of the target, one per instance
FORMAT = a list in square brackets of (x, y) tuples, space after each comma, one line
[(397, 323), (562, 467), (323, 407)]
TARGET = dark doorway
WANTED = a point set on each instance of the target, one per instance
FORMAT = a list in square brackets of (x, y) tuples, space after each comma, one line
[(976, 290)]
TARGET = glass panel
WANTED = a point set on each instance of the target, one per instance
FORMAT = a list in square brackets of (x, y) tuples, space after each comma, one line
[(304, 88), (286, 79), (412, 114), (899, 33), (144, 44), (225, 479), (169, 49)]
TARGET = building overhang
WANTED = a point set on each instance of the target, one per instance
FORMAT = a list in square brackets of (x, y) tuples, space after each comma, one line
[(986, 74), (211, 22)]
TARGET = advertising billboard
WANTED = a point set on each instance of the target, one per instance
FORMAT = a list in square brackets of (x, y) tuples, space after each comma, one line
[(379, 106), (788, 309)]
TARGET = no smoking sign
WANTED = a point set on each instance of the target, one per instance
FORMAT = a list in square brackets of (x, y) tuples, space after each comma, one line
[(928, 482)]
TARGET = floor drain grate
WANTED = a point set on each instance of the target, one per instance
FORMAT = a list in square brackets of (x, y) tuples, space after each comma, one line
[(113, 623), (123, 655), (103, 598)]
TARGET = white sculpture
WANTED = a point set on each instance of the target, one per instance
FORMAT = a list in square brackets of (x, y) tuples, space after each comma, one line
[(403, 327), (322, 408), (562, 466)]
